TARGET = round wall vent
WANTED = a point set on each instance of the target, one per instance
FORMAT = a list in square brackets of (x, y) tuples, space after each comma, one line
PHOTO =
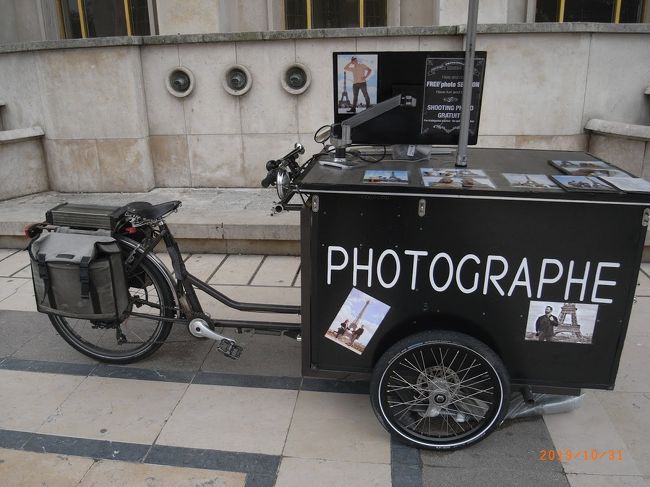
[(237, 80), (296, 79), (179, 81)]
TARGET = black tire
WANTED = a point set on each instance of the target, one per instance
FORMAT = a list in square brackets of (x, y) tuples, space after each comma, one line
[(421, 392), (144, 336)]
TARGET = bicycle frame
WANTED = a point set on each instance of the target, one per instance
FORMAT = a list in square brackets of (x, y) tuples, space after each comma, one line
[(188, 300)]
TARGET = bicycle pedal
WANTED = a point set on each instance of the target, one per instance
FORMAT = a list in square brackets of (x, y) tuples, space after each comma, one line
[(230, 349)]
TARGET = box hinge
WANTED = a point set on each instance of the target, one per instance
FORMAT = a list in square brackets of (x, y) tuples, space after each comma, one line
[(422, 207), (314, 203)]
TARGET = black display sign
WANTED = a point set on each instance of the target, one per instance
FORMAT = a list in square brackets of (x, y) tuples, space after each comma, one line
[(443, 93), (374, 77)]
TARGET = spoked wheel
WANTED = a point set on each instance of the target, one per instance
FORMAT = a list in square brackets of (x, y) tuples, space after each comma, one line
[(134, 338), (440, 390)]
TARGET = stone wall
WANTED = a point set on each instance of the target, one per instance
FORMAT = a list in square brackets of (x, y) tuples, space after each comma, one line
[(623, 144), (22, 167), (111, 125)]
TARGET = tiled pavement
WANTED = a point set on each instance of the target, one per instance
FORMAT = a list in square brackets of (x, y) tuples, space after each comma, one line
[(189, 416)]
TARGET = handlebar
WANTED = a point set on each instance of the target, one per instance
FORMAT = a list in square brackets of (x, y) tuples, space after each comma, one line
[(281, 173), (273, 167), (271, 176)]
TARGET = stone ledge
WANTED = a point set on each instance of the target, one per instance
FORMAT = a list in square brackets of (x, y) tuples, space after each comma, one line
[(20, 135), (449, 30), (71, 44), (215, 220), (647, 91), (555, 27), (619, 129)]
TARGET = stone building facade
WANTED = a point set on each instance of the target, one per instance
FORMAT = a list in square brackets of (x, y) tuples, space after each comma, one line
[(96, 114)]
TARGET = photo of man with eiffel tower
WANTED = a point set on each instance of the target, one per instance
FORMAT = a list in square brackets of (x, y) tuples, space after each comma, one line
[(575, 323), (357, 72)]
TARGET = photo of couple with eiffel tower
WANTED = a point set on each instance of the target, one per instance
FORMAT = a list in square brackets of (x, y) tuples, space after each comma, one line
[(357, 321), (575, 323)]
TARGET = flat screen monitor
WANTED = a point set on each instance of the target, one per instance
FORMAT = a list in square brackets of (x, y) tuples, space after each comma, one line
[(434, 79)]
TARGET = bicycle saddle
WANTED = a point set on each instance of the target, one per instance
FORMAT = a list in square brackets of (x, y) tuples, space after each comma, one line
[(146, 210)]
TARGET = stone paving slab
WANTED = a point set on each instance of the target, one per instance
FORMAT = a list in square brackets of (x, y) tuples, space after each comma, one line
[(9, 286), (27, 468), (336, 427), (25, 273), (237, 269), (277, 271), (640, 318), (107, 473), (586, 429), (204, 266), (22, 298), (13, 263), (231, 419), (16, 331), (634, 368), (115, 409), (27, 400), (299, 472), (629, 413), (4, 253)]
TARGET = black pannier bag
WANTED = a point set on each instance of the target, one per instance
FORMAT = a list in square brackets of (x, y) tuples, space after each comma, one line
[(79, 276)]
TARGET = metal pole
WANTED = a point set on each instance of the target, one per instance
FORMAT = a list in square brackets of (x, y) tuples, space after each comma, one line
[(468, 77)]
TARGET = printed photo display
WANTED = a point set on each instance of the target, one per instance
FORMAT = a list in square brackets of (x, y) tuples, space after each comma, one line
[(582, 183), (561, 322), (357, 321), (386, 177), (530, 181), (452, 172), (587, 168), (357, 82), (446, 178), (628, 184)]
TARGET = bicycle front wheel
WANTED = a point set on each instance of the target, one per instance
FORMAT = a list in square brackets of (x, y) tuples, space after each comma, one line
[(440, 390), (134, 338)]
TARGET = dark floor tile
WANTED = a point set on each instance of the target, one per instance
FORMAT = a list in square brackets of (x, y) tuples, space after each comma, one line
[(19, 327), (242, 380), (513, 446), (472, 474), (137, 373), (263, 355)]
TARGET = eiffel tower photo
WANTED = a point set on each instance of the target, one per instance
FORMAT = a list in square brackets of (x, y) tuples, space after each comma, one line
[(355, 323), (569, 332), (344, 102)]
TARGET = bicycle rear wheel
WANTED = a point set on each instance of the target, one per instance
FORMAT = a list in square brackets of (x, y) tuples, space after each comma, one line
[(134, 338)]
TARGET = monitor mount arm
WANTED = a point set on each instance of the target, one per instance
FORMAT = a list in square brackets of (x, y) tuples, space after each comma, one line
[(341, 135)]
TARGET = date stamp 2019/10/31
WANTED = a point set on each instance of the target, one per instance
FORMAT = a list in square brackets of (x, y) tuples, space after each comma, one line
[(568, 455)]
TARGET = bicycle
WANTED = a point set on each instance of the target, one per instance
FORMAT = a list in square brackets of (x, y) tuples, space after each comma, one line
[(160, 298)]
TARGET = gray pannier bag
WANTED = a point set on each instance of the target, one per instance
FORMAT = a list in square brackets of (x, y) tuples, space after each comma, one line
[(79, 276)]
